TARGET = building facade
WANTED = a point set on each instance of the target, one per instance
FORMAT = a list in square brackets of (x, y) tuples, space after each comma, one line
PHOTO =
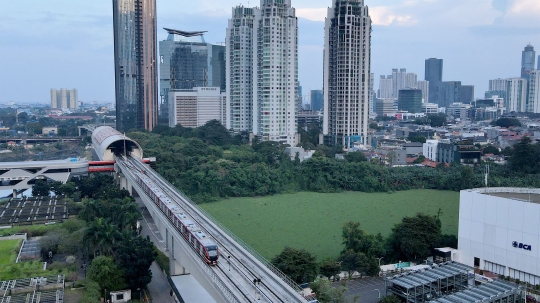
[(449, 93), (497, 84), (194, 107), (410, 100), (262, 71), (429, 150), (187, 61), (499, 231), (317, 100), (466, 94), (516, 95), (430, 108), (434, 74), (386, 87), (533, 105), (135, 62), (64, 98), (424, 87), (347, 63), (399, 80), (385, 107), (463, 152)]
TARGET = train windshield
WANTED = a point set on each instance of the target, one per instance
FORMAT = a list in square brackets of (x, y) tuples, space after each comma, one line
[(212, 250)]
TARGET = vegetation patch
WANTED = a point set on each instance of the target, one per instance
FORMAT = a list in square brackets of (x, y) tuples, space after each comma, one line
[(313, 221), (8, 251)]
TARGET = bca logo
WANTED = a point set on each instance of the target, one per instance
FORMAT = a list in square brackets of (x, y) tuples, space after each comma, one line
[(521, 245)]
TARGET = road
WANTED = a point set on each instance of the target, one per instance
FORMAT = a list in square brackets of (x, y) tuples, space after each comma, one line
[(364, 288)]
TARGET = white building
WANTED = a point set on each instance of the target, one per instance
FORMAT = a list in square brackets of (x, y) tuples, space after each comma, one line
[(347, 64), (411, 81), (424, 87), (516, 95), (497, 84), (64, 98), (386, 90), (262, 71), (195, 107), (430, 150), (534, 92), (499, 231), (430, 108), (458, 110)]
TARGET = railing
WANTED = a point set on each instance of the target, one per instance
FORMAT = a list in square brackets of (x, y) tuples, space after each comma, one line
[(260, 258)]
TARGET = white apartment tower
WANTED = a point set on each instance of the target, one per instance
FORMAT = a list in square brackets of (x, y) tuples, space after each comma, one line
[(534, 92), (64, 98), (516, 95), (262, 71), (386, 87), (347, 58), (423, 85)]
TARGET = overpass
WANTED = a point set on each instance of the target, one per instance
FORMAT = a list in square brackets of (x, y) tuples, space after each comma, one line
[(240, 275)]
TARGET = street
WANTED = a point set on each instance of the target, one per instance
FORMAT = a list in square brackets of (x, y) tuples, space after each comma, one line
[(365, 289)]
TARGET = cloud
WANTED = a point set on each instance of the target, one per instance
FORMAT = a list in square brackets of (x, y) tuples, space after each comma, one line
[(525, 8), (384, 15), (313, 14)]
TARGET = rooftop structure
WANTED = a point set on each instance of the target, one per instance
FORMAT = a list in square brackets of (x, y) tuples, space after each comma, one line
[(33, 290), (184, 33), (496, 291)]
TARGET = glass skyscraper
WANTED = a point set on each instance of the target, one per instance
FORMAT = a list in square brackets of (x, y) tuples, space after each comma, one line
[(186, 62), (528, 56), (347, 63), (135, 64), (434, 73)]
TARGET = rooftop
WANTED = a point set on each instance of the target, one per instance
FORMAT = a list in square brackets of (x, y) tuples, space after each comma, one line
[(184, 33), (521, 194)]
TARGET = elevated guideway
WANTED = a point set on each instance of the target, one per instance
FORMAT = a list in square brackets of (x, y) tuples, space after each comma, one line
[(240, 275)]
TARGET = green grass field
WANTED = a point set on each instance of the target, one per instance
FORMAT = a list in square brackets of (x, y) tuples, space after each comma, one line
[(313, 221), (8, 251)]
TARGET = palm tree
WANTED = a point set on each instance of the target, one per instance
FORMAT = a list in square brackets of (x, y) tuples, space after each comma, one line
[(101, 236)]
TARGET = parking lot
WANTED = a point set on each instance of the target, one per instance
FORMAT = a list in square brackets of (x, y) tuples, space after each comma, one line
[(363, 290)]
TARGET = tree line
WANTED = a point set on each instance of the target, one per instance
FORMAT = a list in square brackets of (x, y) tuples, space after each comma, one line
[(208, 163)]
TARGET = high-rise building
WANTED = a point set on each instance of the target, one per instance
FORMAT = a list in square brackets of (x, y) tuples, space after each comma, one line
[(449, 93), (534, 92), (135, 62), (347, 62), (466, 94), (194, 107), (371, 93), (399, 79), (262, 71), (424, 87), (386, 87), (516, 95), (410, 100), (528, 57), (64, 98), (317, 100), (497, 84), (411, 80), (187, 61), (434, 74)]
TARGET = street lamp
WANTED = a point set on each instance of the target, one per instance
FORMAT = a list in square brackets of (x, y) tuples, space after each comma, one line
[(379, 260), (379, 293)]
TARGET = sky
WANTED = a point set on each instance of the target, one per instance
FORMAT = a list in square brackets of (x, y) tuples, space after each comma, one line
[(69, 44)]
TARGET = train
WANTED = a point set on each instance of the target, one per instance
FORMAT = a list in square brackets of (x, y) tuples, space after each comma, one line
[(203, 244)]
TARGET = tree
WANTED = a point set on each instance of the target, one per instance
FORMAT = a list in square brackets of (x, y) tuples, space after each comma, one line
[(355, 157), (506, 122), (41, 188), (92, 292), (326, 293), (526, 157), (298, 264), (354, 261), (419, 139), (414, 237), (101, 236), (352, 236), (420, 159), (106, 273), (390, 299), (135, 255), (330, 268), (490, 149)]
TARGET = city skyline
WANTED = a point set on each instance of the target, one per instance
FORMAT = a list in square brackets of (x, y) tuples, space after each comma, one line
[(51, 62)]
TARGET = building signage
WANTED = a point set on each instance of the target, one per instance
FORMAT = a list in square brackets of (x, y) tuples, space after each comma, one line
[(521, 245)]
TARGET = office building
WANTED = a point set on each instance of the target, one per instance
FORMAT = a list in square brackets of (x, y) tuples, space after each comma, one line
[(346, 85), (466, 94), (534, 92), (410, 100), (430, 150), (430, 108), (194, 107), (449, 93), (458, 110), (64, 98), (528, 56), (317, 100), (135, 62), (386, 87), (187, 61), (433, 74), (424, 87), (411, 80), (499, 231), (262, 71), (385, 107), (516, 95)]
